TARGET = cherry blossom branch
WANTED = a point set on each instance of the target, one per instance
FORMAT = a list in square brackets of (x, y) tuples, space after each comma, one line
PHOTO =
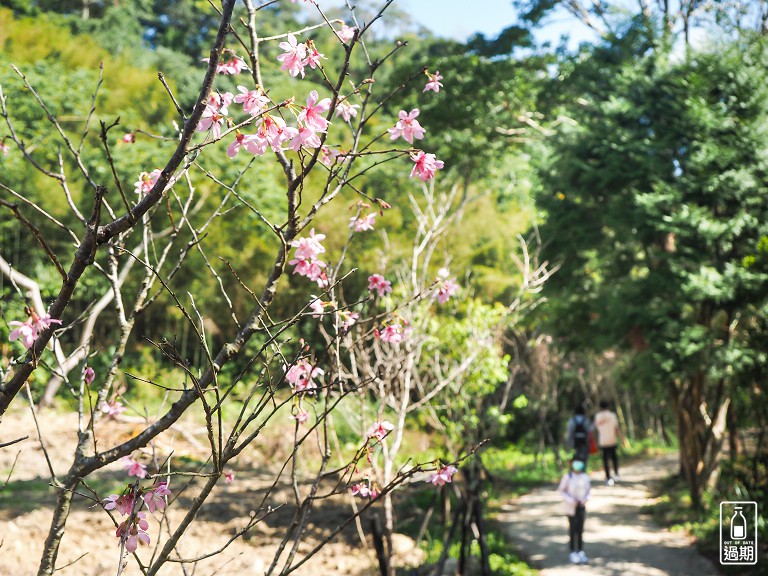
[(96, 236)]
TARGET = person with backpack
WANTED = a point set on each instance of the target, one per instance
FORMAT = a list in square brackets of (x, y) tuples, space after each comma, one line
[(574, 488), (608, 435), (578, 433)]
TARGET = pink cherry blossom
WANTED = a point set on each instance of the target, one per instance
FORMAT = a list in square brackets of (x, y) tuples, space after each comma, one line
[(134, 533), (229, 63), (311, 115), (443, 475), (318, 307), (312, 269), (88, 375), (129, 138), (425, 165), (329, 156), (313, 56), (434, 82), (348, 319), (407, 126), (301, 376), (122, 503), (273, 129), (42, 323), (361, 489), (309, 248), (379, 430), (380, 284), (254, 101), (346, 110), (212, 120), (133, 467), (24, 332), (146, 181), (155, 497), (362, 223), (251, 142), (4, 148), (293, 57), (29, 330), (112, 408), (365, 490), (444, 287), (229, 477), (306, 137), (220, 102), (301, 416), (346, 33), (392, 333)]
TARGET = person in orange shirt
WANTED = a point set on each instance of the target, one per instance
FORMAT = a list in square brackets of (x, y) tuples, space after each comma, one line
[(608, 434)]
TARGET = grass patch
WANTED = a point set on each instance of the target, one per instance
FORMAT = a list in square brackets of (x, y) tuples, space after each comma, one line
[(23, 496), (673, 511)]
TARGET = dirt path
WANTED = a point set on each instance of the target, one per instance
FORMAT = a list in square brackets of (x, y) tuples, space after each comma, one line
[(618, 539)]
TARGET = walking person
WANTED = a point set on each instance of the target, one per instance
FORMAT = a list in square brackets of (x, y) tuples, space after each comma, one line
[(608, 435), (574, 488), (577, 434)]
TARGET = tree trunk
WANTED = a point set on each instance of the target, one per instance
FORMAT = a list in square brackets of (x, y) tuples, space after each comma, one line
[(700, 436)]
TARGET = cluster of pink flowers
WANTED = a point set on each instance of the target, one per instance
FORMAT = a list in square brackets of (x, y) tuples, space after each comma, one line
[(133, 530), (407, 126), (229, 476), (146, 182), (297, 56), (28, 331), (133, 467), (329, 156), (254, 102), (307, 262), (393, 333), (362, 223), (346, 33), (434, 82), (445, 287), (425, 165), (229, 63), (380, 284), (346, 110), (347, 317), (300, 416), (379, 430), (443, 475), (271, 131), (113, 408), (366, 489), (301, 376)]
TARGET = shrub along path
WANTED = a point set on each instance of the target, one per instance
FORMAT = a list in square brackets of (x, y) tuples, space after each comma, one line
[(618, 539)]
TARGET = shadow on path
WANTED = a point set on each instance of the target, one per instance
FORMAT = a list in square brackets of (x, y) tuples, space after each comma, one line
[(618, 539)]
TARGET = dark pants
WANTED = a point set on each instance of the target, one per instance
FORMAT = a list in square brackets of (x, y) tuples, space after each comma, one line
[(609, 455), (576, 529)]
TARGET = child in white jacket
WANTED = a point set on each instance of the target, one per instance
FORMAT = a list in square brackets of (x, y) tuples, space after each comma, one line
[(574, 488)]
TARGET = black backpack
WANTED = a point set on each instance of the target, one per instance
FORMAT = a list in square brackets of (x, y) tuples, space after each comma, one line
[(580, 432)]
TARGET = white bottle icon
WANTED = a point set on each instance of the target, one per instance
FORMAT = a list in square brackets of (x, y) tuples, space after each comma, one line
[(738, 525)]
